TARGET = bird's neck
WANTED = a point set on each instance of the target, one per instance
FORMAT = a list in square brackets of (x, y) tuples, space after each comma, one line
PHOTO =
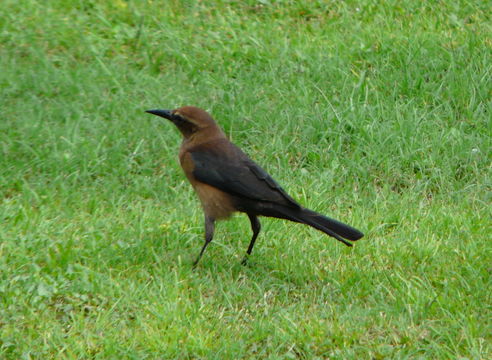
[(203, 136)]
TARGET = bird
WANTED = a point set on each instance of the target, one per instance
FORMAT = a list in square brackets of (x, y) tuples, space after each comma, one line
[(228, 181)]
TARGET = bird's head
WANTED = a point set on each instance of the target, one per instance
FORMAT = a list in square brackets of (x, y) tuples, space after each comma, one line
[(188, 119)]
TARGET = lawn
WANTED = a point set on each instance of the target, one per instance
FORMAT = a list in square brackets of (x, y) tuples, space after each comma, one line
[(374, 113)]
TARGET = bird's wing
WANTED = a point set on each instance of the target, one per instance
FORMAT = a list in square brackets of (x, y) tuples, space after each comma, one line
[(237, 175)]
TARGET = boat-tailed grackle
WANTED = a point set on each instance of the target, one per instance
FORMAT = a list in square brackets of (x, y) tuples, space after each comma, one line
[(227, 180)]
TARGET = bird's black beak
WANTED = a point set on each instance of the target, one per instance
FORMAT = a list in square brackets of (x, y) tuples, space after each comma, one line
[(166, 114)]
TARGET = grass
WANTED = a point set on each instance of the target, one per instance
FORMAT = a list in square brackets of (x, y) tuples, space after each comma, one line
[(376, 113)]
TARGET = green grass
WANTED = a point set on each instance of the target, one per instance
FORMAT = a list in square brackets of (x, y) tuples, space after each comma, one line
[(376, 113)]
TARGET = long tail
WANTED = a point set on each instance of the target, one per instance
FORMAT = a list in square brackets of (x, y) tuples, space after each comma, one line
[(329, 226)]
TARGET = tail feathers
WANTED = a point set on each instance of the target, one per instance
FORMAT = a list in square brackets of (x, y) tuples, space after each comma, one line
[(329, 226), (344, 230)]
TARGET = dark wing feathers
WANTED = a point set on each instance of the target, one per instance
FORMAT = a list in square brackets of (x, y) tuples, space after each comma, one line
[(237, 175)]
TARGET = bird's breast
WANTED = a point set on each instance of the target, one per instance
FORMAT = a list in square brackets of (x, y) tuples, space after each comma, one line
[(215, 202)]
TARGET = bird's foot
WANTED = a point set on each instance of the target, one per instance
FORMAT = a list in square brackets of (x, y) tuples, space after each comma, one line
[(245, 260)]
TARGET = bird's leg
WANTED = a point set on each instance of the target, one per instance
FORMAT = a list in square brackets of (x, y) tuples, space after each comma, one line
[(256, 227), (209, 235)]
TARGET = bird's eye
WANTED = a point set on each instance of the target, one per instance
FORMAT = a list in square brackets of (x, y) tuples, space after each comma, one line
[(179, 118)]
